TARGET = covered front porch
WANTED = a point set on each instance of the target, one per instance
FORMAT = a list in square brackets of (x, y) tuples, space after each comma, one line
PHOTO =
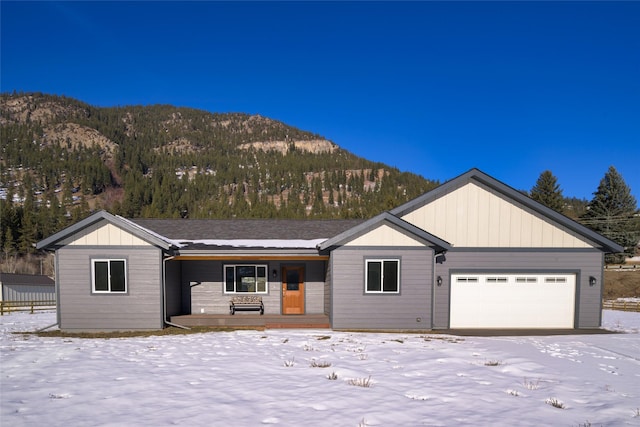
[(254, 320), (202, 287)]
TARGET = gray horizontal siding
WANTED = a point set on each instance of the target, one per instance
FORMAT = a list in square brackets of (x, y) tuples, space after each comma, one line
[(139, 308), (353, 309), (18, 292), (583, 263), (209, 298), (314, 287)]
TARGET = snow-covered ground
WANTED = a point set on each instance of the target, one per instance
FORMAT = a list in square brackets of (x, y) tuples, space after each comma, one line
[(249, 378)]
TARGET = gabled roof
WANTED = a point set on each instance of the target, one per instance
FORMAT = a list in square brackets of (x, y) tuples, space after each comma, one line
[(204, 233), (430, 240), (118, 221), (26, 279), (219, 234), (245, 229), (513, 194)]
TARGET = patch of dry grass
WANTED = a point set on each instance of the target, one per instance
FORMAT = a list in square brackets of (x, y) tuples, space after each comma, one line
[(130, 334), (621, 283)]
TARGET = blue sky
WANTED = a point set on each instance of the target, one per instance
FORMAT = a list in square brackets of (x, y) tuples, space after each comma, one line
[(433, 88)]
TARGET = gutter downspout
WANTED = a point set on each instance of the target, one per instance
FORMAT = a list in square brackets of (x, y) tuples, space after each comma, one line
[(46, 327), (433, 288), (164, 294)]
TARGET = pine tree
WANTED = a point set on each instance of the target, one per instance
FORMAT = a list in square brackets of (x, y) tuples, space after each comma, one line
[(9, 244), (548, 192), (611, 213)]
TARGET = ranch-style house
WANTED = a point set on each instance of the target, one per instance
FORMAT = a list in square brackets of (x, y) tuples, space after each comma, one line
[(472, 253)]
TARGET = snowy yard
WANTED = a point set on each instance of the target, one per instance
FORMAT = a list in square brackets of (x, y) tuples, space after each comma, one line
[(320, 378)]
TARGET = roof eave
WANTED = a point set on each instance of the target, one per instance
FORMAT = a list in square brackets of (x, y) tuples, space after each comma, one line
[(433, 241), (51, 242)]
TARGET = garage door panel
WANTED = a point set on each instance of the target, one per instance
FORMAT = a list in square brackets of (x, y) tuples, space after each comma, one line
[(512, 301)]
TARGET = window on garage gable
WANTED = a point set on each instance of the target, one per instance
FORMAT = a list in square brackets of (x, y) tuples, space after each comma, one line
[(382, 276), (109, 275)]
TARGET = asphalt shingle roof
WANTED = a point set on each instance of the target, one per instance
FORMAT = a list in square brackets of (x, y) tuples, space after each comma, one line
[(237, 229), (25, 279)]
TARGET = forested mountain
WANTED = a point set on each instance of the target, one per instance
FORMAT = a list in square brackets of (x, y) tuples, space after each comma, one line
[(62, 158)]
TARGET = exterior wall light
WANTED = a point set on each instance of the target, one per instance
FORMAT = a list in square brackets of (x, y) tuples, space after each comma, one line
[(439, 280), (592, 281), (274, 273)]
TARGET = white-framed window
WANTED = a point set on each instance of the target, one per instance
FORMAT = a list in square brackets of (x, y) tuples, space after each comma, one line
[(467, 279), (109, 275), (382, 276), (245, 278), (497, 279)]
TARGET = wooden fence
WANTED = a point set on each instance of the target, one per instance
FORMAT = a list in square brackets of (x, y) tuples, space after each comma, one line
[(31, 306), (621, 305)]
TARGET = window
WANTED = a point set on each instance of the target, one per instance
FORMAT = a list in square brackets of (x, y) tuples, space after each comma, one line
[(496, 280), (383, 276), (555, 279), (245, 279), (467, 279), (526, 280), (109, 275)]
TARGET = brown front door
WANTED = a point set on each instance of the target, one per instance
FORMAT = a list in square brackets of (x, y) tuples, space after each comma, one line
[(292, 290)]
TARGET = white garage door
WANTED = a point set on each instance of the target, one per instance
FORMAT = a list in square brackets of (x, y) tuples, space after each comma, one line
[(512, 300)]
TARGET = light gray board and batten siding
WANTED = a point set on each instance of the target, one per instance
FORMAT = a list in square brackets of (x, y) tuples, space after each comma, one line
[(140, 308), (352, 308), (584, 263), (476, 210)]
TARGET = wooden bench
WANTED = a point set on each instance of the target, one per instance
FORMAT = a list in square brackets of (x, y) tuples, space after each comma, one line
[(246, 303)]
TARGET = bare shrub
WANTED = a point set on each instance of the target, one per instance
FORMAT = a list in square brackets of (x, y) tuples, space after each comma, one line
[(320, 364), (332, 376), (554, 402), (289, 363), (360, 382), (531, 384)]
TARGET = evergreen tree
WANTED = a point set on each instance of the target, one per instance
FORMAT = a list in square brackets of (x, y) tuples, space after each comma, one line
[(611, 213), (548, 192), (9, 244), (574, 207), (153, 143)]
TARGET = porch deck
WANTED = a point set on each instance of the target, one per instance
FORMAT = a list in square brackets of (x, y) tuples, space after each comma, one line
[(267, 321)]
